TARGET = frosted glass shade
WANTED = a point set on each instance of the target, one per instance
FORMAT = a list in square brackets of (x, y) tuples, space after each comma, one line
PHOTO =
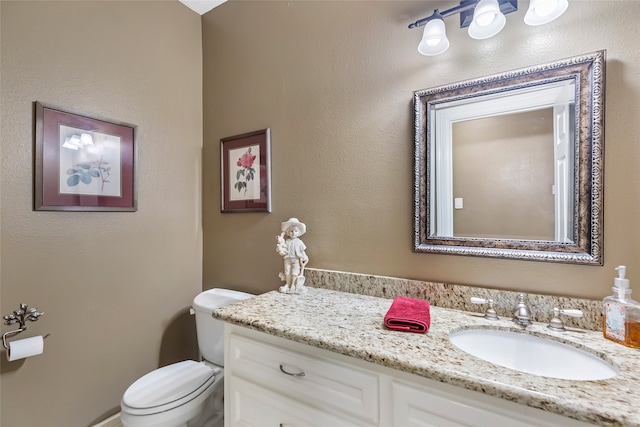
[(68, 144), (488, 20), (434, 39), (544, 11), (86, 139)]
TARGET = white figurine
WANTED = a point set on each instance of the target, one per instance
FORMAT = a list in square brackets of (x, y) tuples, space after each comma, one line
[(292, 249)]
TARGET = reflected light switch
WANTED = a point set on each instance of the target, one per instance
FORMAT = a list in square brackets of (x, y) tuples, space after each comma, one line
[(457, 203)]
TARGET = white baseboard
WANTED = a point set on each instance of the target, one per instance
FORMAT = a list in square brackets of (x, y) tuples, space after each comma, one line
[(112, 421)]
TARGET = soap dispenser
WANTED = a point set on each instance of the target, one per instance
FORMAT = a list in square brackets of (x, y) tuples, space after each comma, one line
[(621, 314)]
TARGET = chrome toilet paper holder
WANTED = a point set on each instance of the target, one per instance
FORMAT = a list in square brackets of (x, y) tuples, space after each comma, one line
[(20, 316)]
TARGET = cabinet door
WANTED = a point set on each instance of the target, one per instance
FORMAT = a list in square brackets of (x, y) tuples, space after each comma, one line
[(415, 406), (252, 405), (328, 383)]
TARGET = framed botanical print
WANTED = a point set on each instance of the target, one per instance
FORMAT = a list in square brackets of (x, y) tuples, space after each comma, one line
[(246, 172), (83, 163)]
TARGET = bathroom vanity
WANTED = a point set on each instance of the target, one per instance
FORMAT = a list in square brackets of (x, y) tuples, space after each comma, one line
[(325, 358)]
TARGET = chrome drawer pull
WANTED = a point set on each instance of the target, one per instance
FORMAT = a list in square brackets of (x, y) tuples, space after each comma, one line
[(299, 374)]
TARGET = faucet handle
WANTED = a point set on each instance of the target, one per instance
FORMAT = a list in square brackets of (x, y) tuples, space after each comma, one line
[(556, 323), (490, 313)]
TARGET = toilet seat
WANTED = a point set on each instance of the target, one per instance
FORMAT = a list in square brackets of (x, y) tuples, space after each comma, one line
[(169, 387), (186, 393)]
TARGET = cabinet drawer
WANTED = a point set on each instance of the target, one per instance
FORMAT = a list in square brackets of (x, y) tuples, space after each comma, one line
[(256, 406), (415, 406), (320, 382)]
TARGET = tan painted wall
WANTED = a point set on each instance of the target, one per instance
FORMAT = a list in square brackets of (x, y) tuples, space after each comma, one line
[(334, 82), (503, 170), (114, 287)]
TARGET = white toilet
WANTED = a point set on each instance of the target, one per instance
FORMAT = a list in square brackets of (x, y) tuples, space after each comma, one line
[(188, 393)]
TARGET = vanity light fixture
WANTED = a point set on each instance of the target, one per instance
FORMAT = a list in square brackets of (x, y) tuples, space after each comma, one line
[(485, 18)]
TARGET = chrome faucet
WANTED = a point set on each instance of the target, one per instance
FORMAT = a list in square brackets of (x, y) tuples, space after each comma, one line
[(522, 314)]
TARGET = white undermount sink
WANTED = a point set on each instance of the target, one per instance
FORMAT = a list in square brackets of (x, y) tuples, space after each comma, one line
[(532, 354)]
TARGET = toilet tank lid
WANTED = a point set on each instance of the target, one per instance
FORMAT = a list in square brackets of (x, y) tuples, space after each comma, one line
[(217, 297), (167, 384)]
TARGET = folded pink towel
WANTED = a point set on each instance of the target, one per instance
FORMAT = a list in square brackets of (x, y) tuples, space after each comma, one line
[(409, 315)]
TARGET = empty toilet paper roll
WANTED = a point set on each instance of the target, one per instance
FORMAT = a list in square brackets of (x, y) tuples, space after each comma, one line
[(19, 349)]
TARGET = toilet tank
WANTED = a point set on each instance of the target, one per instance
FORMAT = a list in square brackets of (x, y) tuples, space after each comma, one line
[(210, 331)]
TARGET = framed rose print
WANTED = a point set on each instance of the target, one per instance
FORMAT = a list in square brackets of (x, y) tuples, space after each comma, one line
[(246, 172), (83, 163)]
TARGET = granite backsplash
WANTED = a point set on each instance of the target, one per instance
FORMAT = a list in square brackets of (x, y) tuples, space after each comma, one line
[(457, 296)]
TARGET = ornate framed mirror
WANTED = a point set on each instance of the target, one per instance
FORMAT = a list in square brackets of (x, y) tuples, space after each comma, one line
[(511, 165)]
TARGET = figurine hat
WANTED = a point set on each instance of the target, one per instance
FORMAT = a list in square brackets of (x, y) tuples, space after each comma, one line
[(296, 222)]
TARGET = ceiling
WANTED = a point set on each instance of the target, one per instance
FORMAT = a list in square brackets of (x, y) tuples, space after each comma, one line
[(202, 6)]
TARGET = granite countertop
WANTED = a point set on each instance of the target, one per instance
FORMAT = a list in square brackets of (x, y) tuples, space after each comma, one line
[(352, 324)]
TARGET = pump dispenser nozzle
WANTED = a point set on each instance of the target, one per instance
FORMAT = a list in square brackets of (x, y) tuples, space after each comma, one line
[(620, 282)]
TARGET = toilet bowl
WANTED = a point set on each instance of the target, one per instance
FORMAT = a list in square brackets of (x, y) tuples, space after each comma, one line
[(187, 393)]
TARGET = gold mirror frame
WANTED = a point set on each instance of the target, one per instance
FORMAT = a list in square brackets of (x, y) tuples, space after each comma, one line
[(588, 73)]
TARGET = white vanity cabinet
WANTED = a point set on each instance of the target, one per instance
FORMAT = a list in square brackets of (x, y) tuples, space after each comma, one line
[(268, 379), (272, 381), (441, 405), (253, 405)]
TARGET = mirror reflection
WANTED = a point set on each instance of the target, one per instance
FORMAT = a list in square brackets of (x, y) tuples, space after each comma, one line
[(509, 165), (511, 160)]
